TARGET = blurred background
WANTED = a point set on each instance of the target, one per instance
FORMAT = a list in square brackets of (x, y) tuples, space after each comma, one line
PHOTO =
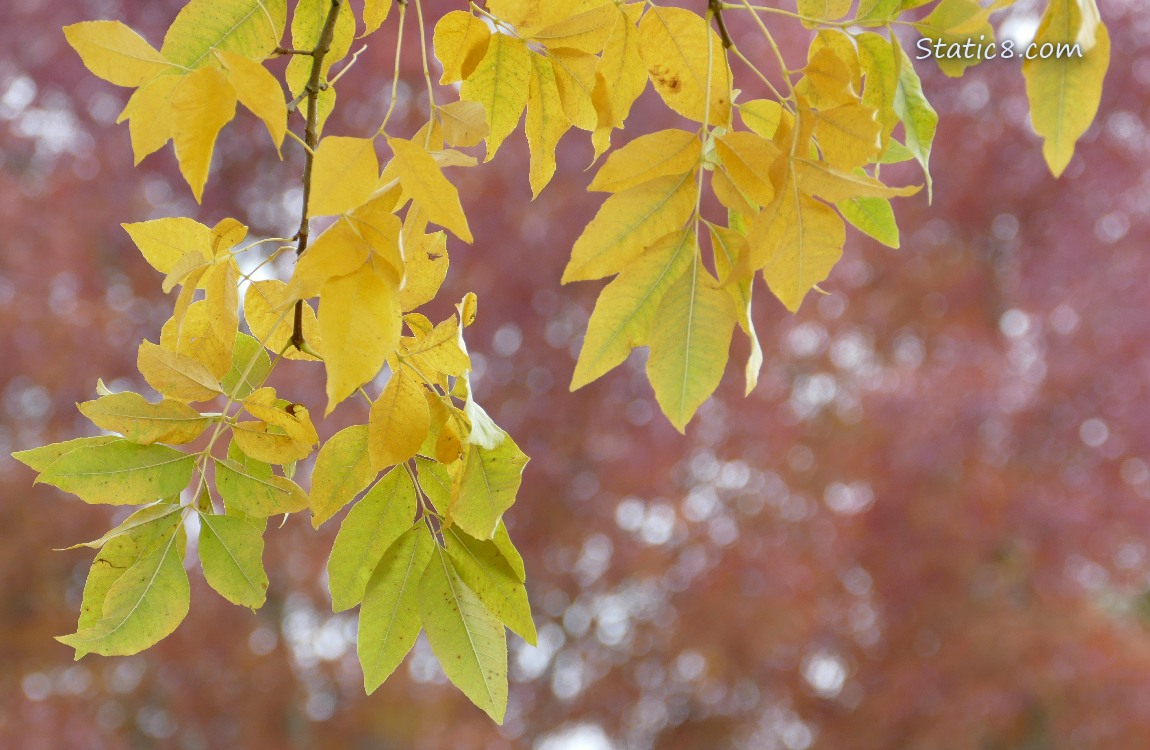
[(927, 528)]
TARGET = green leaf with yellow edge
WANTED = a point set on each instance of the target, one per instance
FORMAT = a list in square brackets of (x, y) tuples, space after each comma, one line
[(342, 470), (176, 376), (370, 528), (163, 242), (343, 175), (203, 103), (501, 82), (121, 472), (399, 420), (486, 487), (545, 124), (259, 91), (1064, 93), (250, 367), (628, 222), (39, 459), (249, 487), (460, 40), (482, 567), (252, 28), (270, 317), (360, 322), (625, 310), (689, 341), (919, 119), (468, 641), (143, 422), (796, 241), (115, 53), (231, 553), (877, 12), (872, 216), (374, 14), (510, 555), (389, 620), (427, 264), (142, 606), (648, 157), (423, 179), (678, 48)]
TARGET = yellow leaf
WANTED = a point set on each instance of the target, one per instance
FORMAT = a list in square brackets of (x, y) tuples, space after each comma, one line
[(821, 180), (376, 225), (226, 234), (271, 319), (464, 123), (427, 265), (674, 43), (115, 53), (796, 241), (149, 115), (163, 242), (342, 470), (460, 41), (375, 13), (343, 175), (586, 31), (546, 122), (621, 67), (690, 338), (828, 79), (340, 250), (627, 223), (848, 135), (284, 433), (360, 321), (763, 116), (1064, 93), (659, 154), (575, 78), (201, 105), (957, 22), (143, 422), (748, 159), (823, 10), (251, 28), (197, 336), (175, 375), (501, 83), (729, 247), (626, 307), (441, 348), (259, 91), (399, 420), (422, 178), (306, 27)]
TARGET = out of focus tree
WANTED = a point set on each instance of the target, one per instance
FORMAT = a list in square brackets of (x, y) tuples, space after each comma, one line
[(926, 526)]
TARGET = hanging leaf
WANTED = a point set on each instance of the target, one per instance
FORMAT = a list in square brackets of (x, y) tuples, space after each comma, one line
[(231, 552)]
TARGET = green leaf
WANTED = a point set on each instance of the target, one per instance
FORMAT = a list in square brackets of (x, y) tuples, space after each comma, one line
[(143, 606), (467, 639), (873, 216), (39, 459), (486, 487), (690, 340), (376, 521), (252, 28), (389, 620), (121, 473), (625, 310), (250, 367), (342, 470), (231, 552), (252, 489), (435, 480), (510, 555), (482, 566), (143, 422)]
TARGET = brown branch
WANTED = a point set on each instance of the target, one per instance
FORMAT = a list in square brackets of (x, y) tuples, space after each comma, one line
[(311, 138), (716, 8)]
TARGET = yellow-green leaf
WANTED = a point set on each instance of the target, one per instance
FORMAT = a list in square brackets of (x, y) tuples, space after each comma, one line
[(501, 83), (39, 459), (486, 487), (250, 367), (389, 620), (121, 472), (873, 216), (468, 641), (342, 470), (143, 422), (252, 28), (1064, 93), (918, 117), (482, 567), (251, 488), (689, 340), (231, 553), (371, 527), (115, 53)]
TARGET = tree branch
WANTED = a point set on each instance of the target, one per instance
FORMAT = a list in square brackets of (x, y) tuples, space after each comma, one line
[(716, 8), (311, 138)]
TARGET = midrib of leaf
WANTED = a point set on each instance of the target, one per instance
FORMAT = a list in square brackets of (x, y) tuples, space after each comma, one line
[(498, 591), (374, 535), (182, 457), (463, 621), (254, 478), (407, 576), (219, 537), (142, 418)]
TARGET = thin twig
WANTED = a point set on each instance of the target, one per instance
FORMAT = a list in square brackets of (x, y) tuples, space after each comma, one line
[(716, 7)]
